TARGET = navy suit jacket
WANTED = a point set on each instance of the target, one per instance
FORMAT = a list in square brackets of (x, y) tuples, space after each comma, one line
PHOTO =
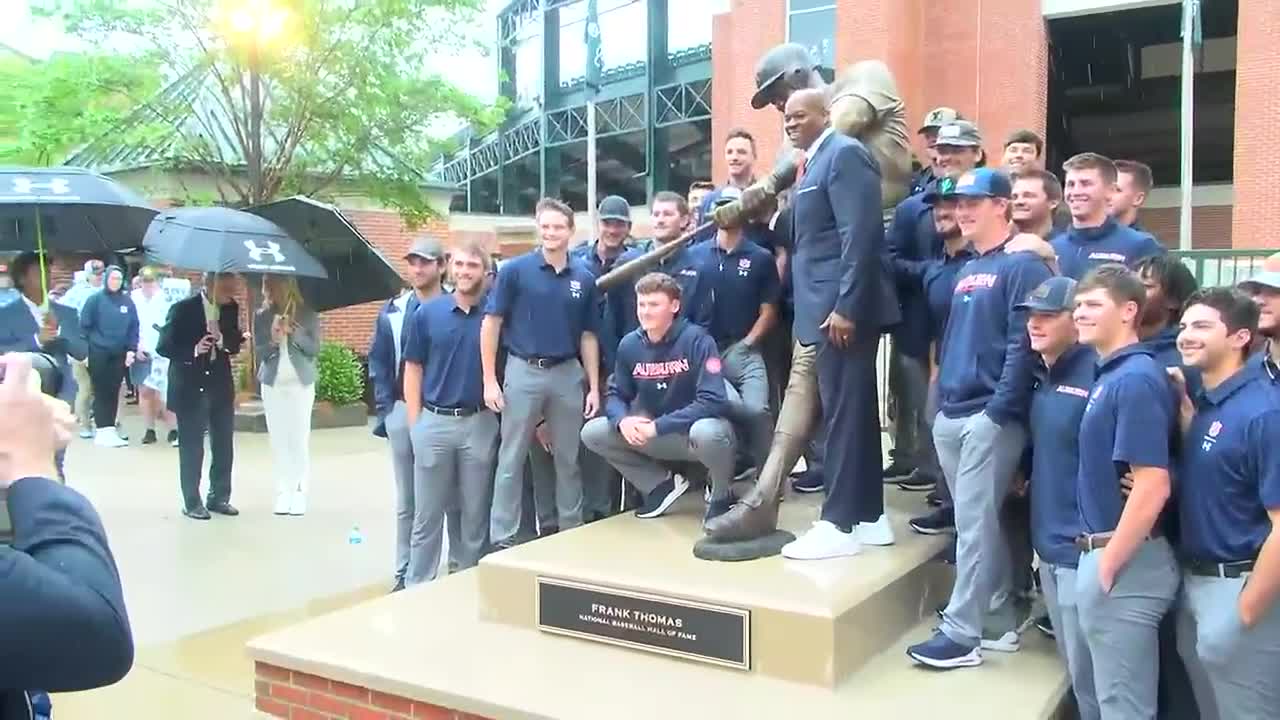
[(840, 262), (18, 332), (384, 370)]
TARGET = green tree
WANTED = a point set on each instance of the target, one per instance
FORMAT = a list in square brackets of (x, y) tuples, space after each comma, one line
[(49, 108), (346, 101)]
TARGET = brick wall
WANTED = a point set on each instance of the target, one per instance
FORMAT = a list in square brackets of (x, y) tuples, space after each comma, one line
[(1257, 196), (942, 52), (353, 326), (1210, 226), (738, 39), (292, 695)]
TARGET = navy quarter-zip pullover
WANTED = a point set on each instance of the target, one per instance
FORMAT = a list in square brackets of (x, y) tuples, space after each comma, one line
[(986, 359), (676, 381), (1081, 249)]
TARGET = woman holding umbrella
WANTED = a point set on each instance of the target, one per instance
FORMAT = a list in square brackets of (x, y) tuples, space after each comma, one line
[(287, 337), (110, 321)]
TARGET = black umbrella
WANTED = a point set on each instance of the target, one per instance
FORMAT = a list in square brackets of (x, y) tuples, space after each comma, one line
[(70, 210), (218, 239), (358, 273)]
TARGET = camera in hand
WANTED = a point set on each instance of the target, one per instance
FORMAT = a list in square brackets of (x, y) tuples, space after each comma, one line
[(46, 368)]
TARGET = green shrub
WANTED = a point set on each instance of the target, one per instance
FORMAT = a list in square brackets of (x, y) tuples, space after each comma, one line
[(339, 377)]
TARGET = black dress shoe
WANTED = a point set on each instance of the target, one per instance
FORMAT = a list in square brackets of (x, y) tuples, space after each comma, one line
[(196, 513), (224, 508)]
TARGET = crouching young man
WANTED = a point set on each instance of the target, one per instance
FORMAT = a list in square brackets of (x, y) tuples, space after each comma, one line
[(666, 403)]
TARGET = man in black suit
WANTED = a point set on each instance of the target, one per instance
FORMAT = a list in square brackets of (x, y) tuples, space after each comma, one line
[(199, 338), (843, 299)]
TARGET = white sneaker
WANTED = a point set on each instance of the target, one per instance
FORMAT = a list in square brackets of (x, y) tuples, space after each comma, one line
[(108, 437), (86, 433), (284, 503), (824, 540), (299, 504), (879, 532)]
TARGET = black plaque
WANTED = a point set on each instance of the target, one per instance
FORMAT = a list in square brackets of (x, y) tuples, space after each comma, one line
[(666, 625)]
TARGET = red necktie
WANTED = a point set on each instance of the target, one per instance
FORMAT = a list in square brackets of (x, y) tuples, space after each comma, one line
[(804, 160)]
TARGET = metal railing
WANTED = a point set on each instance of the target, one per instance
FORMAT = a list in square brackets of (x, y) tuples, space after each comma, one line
[(1214, 268)]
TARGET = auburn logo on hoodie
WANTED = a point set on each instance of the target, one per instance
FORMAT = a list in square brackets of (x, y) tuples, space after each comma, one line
[(663, 370)]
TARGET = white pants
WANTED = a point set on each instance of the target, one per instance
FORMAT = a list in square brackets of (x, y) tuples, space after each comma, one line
[(288, 408)]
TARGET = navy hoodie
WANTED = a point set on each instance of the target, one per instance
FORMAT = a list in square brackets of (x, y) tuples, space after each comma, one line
[(109, 319), (914, 244), (1081, 249), (986, 362), (675, 381)]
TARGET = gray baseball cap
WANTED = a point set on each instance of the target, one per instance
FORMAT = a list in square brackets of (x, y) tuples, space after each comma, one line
[(1268, 277), (727, 195), (959, 133), (425, 248), (614, 207), (938, 117), (1055, 295)]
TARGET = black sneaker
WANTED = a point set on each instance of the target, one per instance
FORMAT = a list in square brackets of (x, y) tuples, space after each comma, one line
[(918, 481), (933, 499), (897, 469), (935, 523), (808, 482), (1045, 625), (716, 508), (662, 497), (173, 438), (149, 437)]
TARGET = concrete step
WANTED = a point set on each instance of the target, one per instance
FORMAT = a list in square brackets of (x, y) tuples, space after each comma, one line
[(810, 622)]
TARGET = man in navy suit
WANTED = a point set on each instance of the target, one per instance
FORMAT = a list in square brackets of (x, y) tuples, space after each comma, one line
[(843, 298)]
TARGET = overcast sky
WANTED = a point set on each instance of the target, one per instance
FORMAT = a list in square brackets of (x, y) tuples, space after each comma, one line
[(39, 36)]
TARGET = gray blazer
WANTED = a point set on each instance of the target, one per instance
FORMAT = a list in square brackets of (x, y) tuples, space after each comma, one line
[(304, 343)]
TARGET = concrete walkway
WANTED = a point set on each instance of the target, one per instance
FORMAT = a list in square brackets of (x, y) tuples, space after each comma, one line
[(197, 591)]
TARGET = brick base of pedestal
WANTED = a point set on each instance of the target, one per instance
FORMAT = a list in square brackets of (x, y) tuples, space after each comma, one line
[(283, 693)]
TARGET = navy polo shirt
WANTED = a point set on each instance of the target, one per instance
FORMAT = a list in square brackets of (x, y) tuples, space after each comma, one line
[(1229, 469), (1264, 363), (544, 312), (1128, 421), (740, 281), (695, 292), (1056, 408), (445, 340), (939, 285), (1081, 249)]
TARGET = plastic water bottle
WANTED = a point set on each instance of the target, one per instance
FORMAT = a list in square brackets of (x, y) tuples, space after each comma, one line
[(355, 537)]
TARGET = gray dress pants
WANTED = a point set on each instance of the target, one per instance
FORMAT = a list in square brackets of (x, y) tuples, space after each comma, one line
[(1059, 585), (453, 468), (1122, 627), (1241, 665), (533, 394), (710, 442), (402, 466)]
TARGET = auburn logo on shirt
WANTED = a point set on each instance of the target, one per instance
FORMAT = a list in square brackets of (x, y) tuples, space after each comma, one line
[(1108, 257), (969, 283), (1069, 390), (664, 370), (1211, 437)]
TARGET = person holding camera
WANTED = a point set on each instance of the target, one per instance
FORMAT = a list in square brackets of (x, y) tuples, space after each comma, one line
[(200, 336), (30, 323), (64, 626)]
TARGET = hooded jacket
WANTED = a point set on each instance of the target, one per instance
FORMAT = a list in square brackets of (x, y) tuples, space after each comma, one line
[(109, 319), (676, 381)]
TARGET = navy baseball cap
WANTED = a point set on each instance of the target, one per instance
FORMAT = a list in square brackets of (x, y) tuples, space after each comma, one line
[(944, 187), (1055, 295), (615, 207), (726, 196), (983, 182)]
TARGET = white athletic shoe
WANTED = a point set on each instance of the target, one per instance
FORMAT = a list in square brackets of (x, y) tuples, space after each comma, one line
[(284, 503), (824, 540), (109, 437), (879, 532), (86, 433), (299, 504)]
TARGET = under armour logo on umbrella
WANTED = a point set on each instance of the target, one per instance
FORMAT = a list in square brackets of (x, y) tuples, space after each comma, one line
[(272, 249), (27, 186)]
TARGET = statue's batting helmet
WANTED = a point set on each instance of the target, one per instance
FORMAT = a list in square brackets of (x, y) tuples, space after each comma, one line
[(779, 61)]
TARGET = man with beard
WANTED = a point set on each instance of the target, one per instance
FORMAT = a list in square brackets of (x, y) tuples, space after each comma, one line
[(1229, 502), (454, 434), (668, 216), (1264, 287), (423, 266), (928, 135)]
